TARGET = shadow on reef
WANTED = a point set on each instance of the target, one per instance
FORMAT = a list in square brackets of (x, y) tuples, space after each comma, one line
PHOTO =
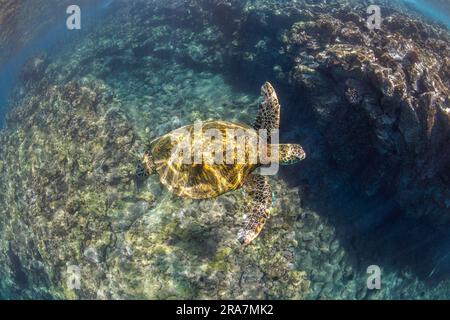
[(374, 228), (367, 151)]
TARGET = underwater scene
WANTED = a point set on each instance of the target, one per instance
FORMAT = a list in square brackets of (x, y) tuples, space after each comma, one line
[(351, 99)]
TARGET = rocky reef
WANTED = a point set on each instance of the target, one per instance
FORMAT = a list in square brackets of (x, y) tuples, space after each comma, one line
[(370, 107), (72, 199), (387, 118), (380, 98)]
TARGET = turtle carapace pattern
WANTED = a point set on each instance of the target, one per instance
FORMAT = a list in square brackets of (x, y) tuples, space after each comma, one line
[(208, 179)]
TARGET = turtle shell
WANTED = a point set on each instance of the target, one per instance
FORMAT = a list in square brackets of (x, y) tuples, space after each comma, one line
[(204, 177)]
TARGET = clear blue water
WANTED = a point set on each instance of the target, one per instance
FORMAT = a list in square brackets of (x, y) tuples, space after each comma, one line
[(431, 10), (56, 36), (51, 40), (380, 224)]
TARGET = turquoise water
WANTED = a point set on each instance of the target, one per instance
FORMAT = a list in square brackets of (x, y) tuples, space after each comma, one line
[(431, 10), (48, 40), (78, 125)]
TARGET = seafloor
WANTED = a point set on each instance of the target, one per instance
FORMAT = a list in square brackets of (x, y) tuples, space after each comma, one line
[(371, 109)]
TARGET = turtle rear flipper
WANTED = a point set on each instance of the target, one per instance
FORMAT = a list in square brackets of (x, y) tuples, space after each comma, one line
[(140, 170), (269, 110), (257, 209), (145, 166)]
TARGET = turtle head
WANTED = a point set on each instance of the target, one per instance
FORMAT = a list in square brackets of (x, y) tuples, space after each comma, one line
[(245, 237), (145, 166), (290, 153)]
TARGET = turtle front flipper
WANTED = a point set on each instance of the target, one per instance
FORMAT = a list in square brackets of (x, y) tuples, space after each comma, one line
[(257, 209), (269, 110)]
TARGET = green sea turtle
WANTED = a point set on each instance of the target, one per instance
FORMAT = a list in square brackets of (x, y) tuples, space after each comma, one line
[(208, 179)]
